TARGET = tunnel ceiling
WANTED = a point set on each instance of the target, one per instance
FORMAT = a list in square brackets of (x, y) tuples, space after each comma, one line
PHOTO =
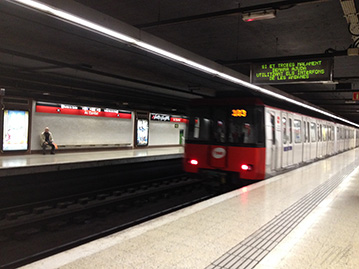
[(51, 60)]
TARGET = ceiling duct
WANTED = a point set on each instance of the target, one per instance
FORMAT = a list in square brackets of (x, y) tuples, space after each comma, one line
[(351, 15)]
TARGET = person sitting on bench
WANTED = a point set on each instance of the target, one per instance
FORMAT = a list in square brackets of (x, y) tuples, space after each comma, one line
[(47, 140)]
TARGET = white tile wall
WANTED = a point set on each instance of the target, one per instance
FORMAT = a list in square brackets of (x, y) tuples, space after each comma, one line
[(165, 133), (80, 130)]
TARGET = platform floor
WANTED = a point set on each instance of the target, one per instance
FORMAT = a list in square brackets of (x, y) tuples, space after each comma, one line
[(306, 218), (23, 164)]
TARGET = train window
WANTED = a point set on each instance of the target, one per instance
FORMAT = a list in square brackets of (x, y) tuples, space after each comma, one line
[(290, 132), (313, 132), (204, 129), (219, 131), (324, 130), (241, 132), (285, 136), (308, 132), (199, 125), (305, 131), (320, 132), (297, 131), (219, 125), (196, 127), (215, 124), (246, 128)]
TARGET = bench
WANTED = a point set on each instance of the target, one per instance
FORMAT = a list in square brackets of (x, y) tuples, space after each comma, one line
[(93, 146)]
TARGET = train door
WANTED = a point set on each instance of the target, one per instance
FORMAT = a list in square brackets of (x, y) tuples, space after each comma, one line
[(346, 139), (313, 139), (290, 141), (325, 140), (287, 139), (219, 151), (306, 143), (272, 153), (352, 139), (298, 139), (336, 144), (335, 139), (339, 139), (329, 138), (320, 140)]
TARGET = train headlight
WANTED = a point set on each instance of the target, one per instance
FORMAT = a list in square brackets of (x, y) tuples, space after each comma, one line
[(193, 162), (247, 167)]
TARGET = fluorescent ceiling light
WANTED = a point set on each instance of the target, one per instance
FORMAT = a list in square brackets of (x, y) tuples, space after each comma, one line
[(163, 53), (259, 15)]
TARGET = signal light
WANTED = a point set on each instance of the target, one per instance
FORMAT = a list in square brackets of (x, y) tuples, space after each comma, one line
[(193, 162), (246, 167)]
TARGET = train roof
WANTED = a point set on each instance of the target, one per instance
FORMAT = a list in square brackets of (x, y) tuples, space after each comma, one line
[(233, 98)]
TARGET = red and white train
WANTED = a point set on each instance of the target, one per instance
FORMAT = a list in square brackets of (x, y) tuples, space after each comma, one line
[(252, 139)]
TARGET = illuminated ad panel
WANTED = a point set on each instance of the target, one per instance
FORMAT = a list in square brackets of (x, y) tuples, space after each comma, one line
[(296, 71), (82, 110), (142, 132), (16, 125)]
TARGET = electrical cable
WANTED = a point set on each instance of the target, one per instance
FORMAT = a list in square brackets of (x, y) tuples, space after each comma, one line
[(355, 43)]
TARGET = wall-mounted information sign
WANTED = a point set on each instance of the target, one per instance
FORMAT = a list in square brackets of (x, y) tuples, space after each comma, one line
[(295, 71), (176, 119), (166, 117), (82, 110), (160, 117), (15, 136)]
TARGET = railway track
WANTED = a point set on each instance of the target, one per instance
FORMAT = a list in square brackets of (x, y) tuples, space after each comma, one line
[(33, 231)]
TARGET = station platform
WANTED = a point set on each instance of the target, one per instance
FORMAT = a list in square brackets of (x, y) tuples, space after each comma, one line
[(35, 163), (305, 218)]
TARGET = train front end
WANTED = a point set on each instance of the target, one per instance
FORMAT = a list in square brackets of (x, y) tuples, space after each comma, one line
[(226, 139)]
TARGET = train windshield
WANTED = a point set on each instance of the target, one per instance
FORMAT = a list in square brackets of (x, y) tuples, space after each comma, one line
[(227, 125)]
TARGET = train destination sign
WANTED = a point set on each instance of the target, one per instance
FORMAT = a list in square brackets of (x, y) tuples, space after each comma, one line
[(296, 71)]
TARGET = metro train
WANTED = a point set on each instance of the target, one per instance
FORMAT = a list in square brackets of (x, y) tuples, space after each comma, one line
[(246, 139)]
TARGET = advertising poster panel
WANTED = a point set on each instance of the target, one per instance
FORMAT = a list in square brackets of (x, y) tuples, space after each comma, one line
[(16, 125), (142, 132)]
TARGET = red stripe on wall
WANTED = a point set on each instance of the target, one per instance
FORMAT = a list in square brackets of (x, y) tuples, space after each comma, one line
[(81, 112)]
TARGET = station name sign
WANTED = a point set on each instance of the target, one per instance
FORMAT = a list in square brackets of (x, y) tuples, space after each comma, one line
[(81, 110), (295, 71)]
